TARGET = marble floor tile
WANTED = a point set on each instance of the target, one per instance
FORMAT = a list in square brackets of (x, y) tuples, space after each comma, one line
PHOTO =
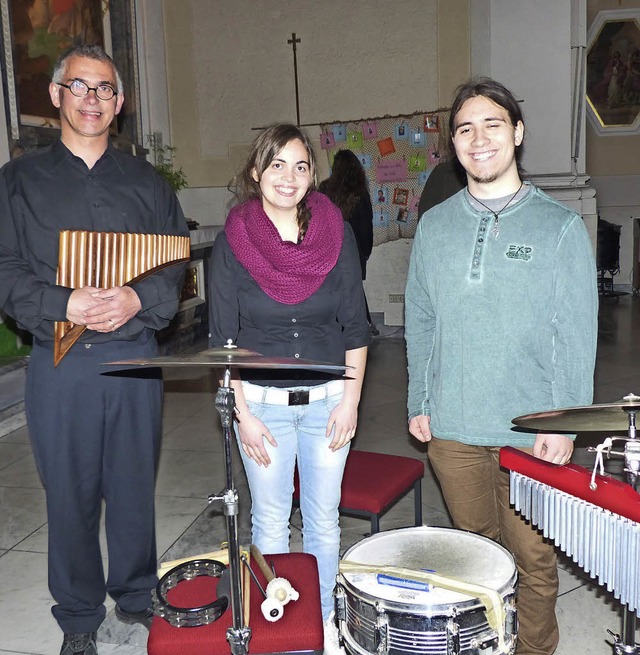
[(22, 473), (26, 623), (22, 512), (584, 615), (189, 473), (10, 453), (118, 649), (21, 435), (202, 433)]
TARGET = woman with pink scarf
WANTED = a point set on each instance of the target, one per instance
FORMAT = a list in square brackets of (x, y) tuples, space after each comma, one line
[(285, 281)]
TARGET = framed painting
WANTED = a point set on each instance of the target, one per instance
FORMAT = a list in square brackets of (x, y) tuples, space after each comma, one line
[(613, 72), (35, 33)]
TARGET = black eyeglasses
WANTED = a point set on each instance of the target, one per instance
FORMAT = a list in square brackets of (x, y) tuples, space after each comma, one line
[(80, 89)]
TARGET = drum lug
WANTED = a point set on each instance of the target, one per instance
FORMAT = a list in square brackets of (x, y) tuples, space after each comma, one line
[(486, 645), (340, 604), (511, 619), (453, 638), (381, 637)]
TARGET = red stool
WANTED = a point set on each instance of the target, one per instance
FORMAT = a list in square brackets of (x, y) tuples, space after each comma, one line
[(373, 482), (299, 630)]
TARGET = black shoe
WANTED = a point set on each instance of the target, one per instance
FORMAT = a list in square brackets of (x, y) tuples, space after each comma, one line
[(144, 617), (81, 643)]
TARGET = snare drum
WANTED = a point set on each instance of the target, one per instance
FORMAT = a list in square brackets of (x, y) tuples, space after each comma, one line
[(380, 614)]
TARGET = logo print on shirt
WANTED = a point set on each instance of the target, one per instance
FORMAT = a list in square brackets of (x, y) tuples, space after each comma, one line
[(519, 252)]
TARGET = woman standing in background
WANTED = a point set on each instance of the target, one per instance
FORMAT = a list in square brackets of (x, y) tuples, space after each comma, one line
[(348, 188)]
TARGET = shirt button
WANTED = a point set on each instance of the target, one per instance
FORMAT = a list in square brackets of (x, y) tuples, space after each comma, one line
[(87, 346), (293, 320), (297, 355), (295, 334)]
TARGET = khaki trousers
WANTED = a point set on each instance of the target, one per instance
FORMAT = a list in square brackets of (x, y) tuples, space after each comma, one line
[(476, 491)]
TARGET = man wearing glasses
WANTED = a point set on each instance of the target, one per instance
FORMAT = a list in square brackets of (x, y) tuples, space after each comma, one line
[(95, 437)]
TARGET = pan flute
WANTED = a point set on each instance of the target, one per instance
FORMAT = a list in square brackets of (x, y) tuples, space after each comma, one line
[(598, 528), (106, 260)]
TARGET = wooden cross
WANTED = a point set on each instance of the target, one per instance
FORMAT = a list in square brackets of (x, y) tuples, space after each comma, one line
[(293, 41)]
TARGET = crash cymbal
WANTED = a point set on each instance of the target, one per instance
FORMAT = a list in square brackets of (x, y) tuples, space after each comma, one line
[(234, 358), (590, 418)]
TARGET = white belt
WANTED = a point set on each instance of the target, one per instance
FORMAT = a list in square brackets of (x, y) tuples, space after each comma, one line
[(274, 396)]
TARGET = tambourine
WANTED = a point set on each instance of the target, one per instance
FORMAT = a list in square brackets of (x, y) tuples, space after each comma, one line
[(190, 617)]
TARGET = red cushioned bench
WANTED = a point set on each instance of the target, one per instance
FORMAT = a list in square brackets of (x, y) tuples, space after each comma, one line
[(373, 482), (298, 631)]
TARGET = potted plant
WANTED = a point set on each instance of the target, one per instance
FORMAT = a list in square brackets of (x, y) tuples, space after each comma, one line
[(163, 163)]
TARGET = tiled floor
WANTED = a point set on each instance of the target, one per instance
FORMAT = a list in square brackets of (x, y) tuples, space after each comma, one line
[(191, 468)]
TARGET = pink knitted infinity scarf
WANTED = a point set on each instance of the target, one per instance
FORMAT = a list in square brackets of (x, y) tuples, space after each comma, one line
[(287, 272)]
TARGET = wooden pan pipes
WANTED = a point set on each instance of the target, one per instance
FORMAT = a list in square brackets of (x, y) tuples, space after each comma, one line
[(106, 260)]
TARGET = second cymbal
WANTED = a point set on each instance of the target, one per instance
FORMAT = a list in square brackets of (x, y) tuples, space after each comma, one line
[(589, 418)]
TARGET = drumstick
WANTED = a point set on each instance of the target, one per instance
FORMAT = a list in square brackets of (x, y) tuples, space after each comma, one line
[(262, 563), (246, 592)]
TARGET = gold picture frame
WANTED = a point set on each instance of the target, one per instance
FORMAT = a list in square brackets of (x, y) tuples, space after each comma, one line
[(613, 72)]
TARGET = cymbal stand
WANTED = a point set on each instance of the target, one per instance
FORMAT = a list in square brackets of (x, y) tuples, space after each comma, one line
[(625, 644), (238, 635)]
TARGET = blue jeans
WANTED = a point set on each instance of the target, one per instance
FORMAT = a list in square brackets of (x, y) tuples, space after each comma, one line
[(300, 433)]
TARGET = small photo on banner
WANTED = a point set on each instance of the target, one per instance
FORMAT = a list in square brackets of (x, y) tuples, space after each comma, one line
[(413, 205), (370, 130), (400, 196), (386, 147), (339, 133), (354, 139), (365, 159), (401, 131), (417, 163), (418, 138), (423, 177), (402, 215), (381, 218), (434, 156), (432, 123), (327, 140), (382, 194)]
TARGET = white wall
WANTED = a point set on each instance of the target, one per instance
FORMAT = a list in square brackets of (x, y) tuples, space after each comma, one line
[(527, 46), (230, 69)]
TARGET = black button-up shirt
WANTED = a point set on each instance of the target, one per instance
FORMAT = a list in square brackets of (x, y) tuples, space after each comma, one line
[(321, 328), (52, 190)]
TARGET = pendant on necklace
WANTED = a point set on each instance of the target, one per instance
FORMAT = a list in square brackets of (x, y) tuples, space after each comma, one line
[(495, 230)]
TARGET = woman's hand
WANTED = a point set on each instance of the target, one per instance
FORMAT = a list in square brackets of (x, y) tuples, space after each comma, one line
[(253, 432), (342, 422)]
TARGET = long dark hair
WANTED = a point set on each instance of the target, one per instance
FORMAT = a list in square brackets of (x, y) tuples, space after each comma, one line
[(262, 152), (498, 93), (347, 183)]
